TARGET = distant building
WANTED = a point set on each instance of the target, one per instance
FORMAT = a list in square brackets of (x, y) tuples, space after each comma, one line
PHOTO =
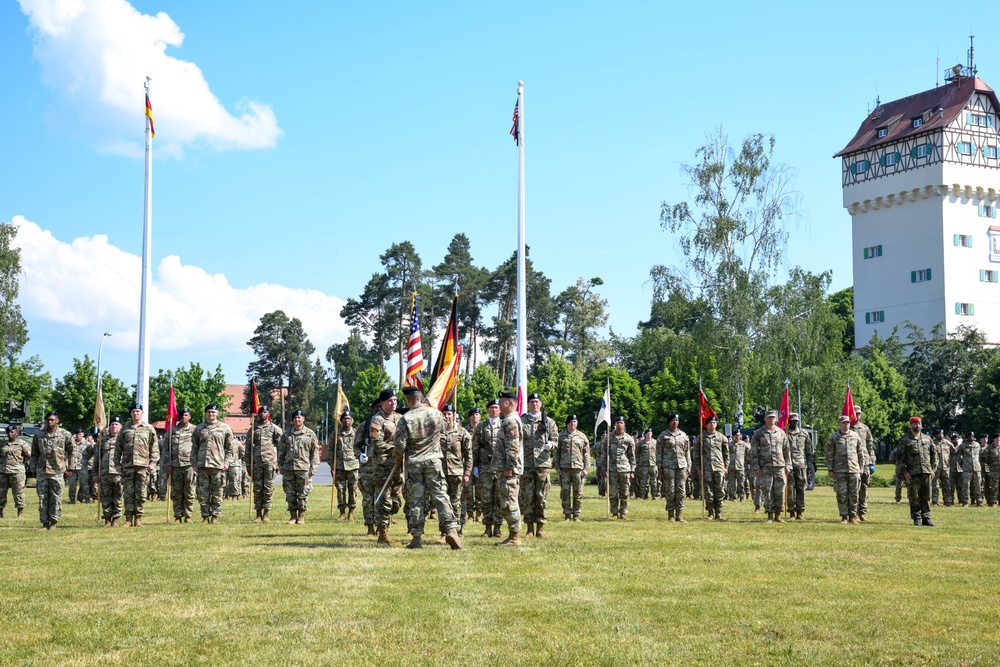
[(921, 180)]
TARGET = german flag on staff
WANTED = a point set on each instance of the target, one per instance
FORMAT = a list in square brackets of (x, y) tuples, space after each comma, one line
[(449, 343), (149, 115)]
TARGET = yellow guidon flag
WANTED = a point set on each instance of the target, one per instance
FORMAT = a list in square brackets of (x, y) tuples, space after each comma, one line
[(342, 402), (149, 115)]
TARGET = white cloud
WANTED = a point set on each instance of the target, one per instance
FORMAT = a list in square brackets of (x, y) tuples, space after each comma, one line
[(89, 281), (98, 53)]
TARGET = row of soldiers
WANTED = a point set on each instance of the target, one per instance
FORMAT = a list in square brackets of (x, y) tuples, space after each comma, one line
[(968, 467)]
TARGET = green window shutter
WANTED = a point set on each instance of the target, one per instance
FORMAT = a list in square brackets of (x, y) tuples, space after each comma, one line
[(982, 276), (866, 253), (928, 274), (930, 147), (913, 152), (972, 309), (968, 118), (973, 151), (881, 161), (879, 253), (868, 318), (954, 238), (989, 120), (913, 276), (881, 316), (897, 156), (980, 210), (958, 308), (993, 211)]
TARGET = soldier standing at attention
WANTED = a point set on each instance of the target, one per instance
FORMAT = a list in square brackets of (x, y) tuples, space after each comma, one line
[(417, 446), (136, 454), (674, 450), (844, 454), (713, 453), (50, 449), (867, 466), (954, 474), (298, 455), (941, 480), (540, 437), (800, 445), (76, 481), (772, 461), (366, 473), (262, 462), (916, 461), (645, 465), (989, 460), (485, 441), (180, 475), (572, 463), (507, 465), (94, 444), (737, 467), (621, 467), (13, 455), (456, 445), (212, 450), (601, 464), (344, 465), (970, 469), (234, 474), (470, 491), (105, 475), (382, 430)]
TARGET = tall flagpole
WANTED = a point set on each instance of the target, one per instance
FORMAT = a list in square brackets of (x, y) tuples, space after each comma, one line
[(142, 383), (522, 336)]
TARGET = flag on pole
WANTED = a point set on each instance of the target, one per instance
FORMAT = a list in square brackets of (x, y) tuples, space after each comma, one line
[(704, 409), (255, 399), (604, 414), (99, 416), (172, 409), (448, 343), (149, 115), (342, 403), (848, 410), (439, 392), (785, 410), (414, 351), (514, 131)]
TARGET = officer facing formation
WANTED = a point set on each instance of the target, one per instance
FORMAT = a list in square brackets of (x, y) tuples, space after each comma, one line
[(771, 458), (572, 462), (916, 460), (50, 450), (180, 474), (212, 450), (344, 464), (136, 454), (844, 457), (507, 465), (674, 450), (540, 438), (456, 446), (14, 453), (262, 462), (712, 456)]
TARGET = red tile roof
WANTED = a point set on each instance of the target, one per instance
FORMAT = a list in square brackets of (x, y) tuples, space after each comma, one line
[(938, 107)]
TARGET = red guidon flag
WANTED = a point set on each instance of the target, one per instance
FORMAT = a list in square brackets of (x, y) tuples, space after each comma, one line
[(704, 409), (848, 410), (784, 411), (172, 409)]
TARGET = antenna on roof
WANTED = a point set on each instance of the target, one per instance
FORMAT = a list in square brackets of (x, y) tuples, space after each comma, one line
[(972, 51)]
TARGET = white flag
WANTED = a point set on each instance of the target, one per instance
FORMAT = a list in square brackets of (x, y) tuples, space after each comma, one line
[(604, 415)]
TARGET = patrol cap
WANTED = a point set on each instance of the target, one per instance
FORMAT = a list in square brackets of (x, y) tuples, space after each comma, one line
[(407, 391), (211, 406), (620, 418), (448, 408), (77, 430), (473, 411), (492, 402), (672, 417), (298, 413), (712, 418), (771, 413), (793, 416), (387, 394), (844, 418), (571, 418), (857, 409), (507, 394), (51, 413), (346, 413), (115, 420), (135, 406), (262, 409), (533, 396)]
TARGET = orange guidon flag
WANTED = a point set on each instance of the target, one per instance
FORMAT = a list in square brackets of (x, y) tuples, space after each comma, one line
[(149, 115)]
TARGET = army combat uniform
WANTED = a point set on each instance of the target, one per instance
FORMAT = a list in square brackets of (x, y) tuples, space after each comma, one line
[(181, 476), (78, 482), (989, 460), (382, 430), (136, 450), (645, 468), (366, 473), (572, 462), (710, 456), (738, 450), (942, 480), (110, 481), (970, 482), (456, 445), (539, 443), (234, 475), (13, 455), (844, 454), (868, 446), (213, 449), (484, 443), (621, 467), (50, 450), (917, 456), (262, 461), (508, 455), (345, 469), (298, 456), (601, 465), (771, 459), (674, 450), (800, 445)]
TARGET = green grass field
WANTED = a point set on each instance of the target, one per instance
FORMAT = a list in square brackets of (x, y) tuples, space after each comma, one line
[(597, 593)]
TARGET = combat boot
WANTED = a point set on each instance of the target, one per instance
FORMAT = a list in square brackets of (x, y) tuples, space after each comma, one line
[(204, 519), (45, 526), (383, 537), (20, 512), (719, 517), (854, 519), (137, 522), (778, 518), (415, 543), (292, 517), (178, 519), (350, 515), (567, 518), (670, 516), (843, 519), (342, 517), (302, 517), (513, 540), (371, 530), (213, 519), (678, 518), (531, 530), (52, 526), (863, 518), (128, 520), (539, 533), (107, 523), (259, 518), (266, 516), (711, 516), (488, 532), (798, 515), (478, 517), (1, 512), (443, 539), (452, 538), (770, 518), (115, 523), (926, 522)]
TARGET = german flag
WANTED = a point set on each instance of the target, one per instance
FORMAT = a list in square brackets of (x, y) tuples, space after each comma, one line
[(449, 343), (149, 115)]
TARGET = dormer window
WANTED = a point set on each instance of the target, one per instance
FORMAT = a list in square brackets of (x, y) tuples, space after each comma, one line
[(881, 132), (917, 122)]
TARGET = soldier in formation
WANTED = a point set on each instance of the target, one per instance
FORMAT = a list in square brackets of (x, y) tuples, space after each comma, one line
[(456, 446), (14, 454), (916, 460), (50, 450), (366, 471), (213, 448), (344, 464), (844, 457), (234, 474), (78, 476), (800, 446), (540, 438), (867, 466), (572, 463), (601, 465), (470, 490), (990, 462), (107, 477), (136, 454), (970, 469), (485, 441), (94, 444), (387, 471), (739, 451), (645, 466), (771, 459), (621, 468), (298, 456), (262, 462), (674, 450), (710, 458), (180, 473), (941, 481), (507, 466)]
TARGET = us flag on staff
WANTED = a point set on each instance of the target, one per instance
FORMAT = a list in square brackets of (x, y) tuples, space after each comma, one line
[(513, 130), (414, 352)]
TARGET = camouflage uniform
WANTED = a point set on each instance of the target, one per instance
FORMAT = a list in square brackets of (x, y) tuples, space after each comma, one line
[(508, 454), (674, 450), (13, 456), (77, 482), (181, 476), (897, 478), (771, 459), (917, 456), (989, 460), (417, 445), (942, 480), (234, 475), (485, 442), (800, 445), (971, 469), (621, 466), (601, 465), (844, 454), (345, 468), (867, 444), (382, 430), (954, 474), (645, 467), (709, 456), (738, 451), (112, 499), (539, 444), (572, 462), (213, 448), (456, 444), (50, 450), (136, 449), (366, 473), (262, 460), (163, 477), (298, 455)]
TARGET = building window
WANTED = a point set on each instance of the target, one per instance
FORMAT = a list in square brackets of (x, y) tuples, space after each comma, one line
[(923, 150), (920, 276), (965, 148), (989, 276), (882, 131), (860, 166), (873, 251), (963, 240), (874, 316), (978, 119), (890, 159), (990, 152), (917, 122), (965, 308), (987, 211)]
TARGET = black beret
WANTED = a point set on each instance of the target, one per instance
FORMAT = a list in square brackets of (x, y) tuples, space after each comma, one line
[(620, 418), (51, 413), (211, 406), (570, 418), (409, 390), (263, 408), (448, 408), (376, 403), (298, 413), (115, 420), (492, 402), (648, 430), (712, 418), (673, 416), (184, 411), (135, 406), (533, 396), (77, 430), (970, 434), (939, 430), (346, 413), (474, 411), (994, 436), (387, 394), (11, 427), (507, 394)]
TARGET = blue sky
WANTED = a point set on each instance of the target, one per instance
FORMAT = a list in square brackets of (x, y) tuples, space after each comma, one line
[(297, 141)]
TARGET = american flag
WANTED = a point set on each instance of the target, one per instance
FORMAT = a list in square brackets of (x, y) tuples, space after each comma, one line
[(414, 352), (513, 129)]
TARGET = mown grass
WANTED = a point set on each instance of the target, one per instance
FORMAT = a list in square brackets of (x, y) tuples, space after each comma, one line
[(597, 593)]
